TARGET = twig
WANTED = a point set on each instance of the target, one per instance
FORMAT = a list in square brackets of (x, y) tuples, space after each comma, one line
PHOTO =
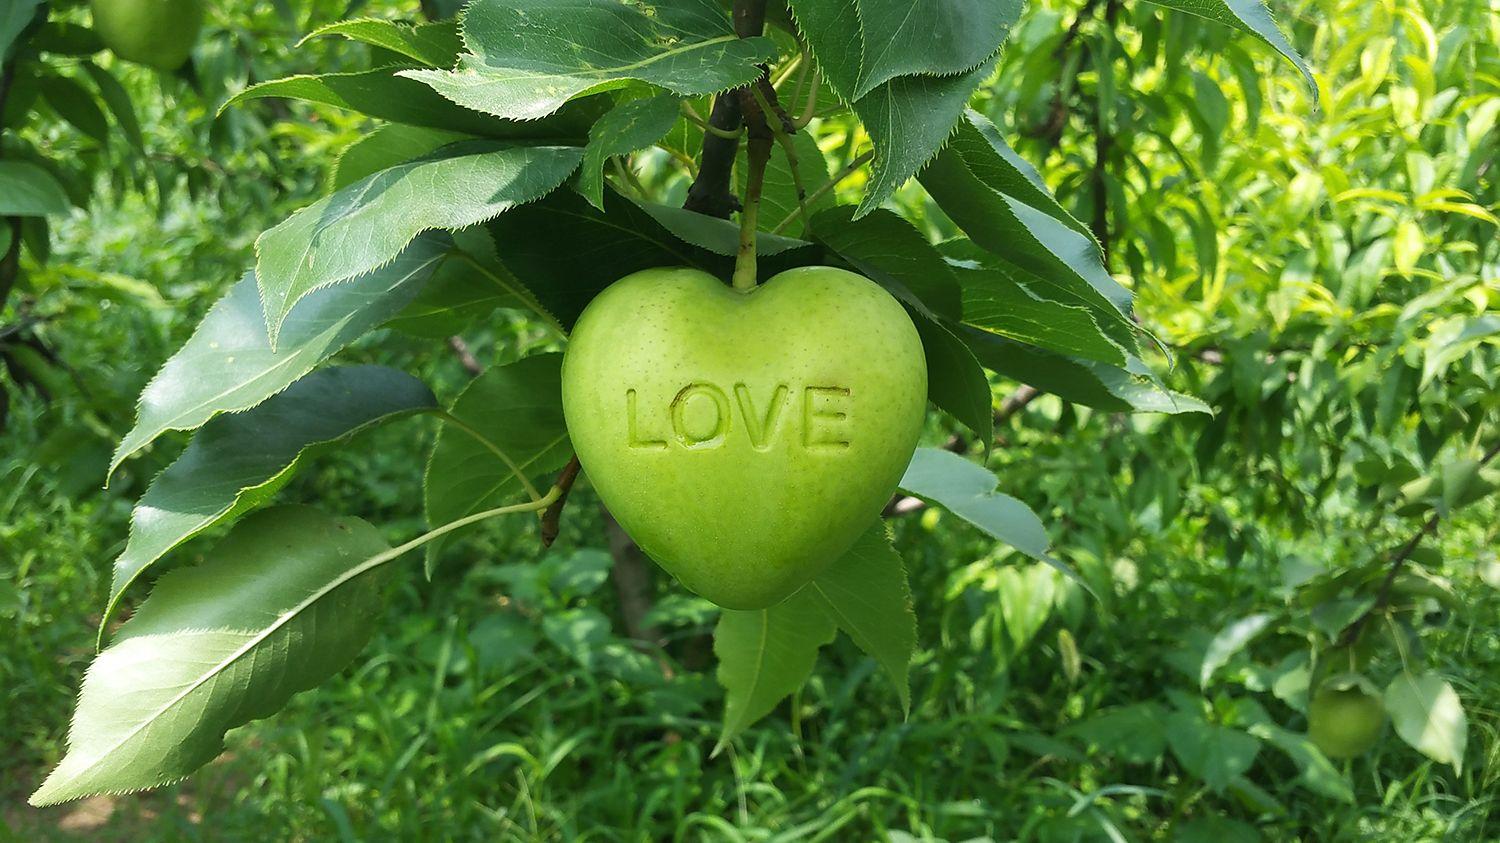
[(812, 198), (1398, 561), (551, 519), (709, 193), (465, 356)]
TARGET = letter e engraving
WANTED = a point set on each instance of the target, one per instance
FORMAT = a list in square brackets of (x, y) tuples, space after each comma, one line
[(825, 417)]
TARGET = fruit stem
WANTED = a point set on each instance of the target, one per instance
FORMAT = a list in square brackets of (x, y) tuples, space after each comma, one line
[(758, 152)]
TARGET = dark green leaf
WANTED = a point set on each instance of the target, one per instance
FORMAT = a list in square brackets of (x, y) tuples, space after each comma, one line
[(719, 236), (27, 190), (895, 255), (995, 299), (1214, 754), (955, 381), (632, 124), (76, 105), (118, 102), (14, 17)]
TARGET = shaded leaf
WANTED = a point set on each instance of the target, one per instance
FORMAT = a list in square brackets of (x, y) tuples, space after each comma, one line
[(632, 124), (766, 654), (1318, 774), (719, 236), (997, 299), (891, 252), (118, 101), (27, 190), (866, 594), (1215, 754), (956, 382), (238, 461)]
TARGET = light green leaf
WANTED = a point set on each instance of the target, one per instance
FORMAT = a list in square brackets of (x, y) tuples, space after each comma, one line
[(860, 44), (1251, 17), (228, 364), (385, 147), (284, 602), (992, 160), (1026, 598), (1230, 640), (238, 461), (506, 428), (866, 594), (1429, 716), (27, 190), (967, 490), (1215, 754), (887, 249), (434, 44), (909, 119), (632, 124), (766, 654), (999, 300), (524, 62), (369, 222)]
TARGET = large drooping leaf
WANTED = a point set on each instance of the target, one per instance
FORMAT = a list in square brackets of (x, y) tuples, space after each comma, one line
[(1064, 266), (956, 382), (508, 429), (1214, 754), (967, 490), (380, 94), (435, 44), (866, 594), (369, 222), (766, 654), (860, 44), (1428, 714), (27, 190), (1084, 382), (1251, 17), (239, 460), (526, 60), (283, 603), (386, 146), (909, 119), (228, 364), (888, 250), (632, 124)]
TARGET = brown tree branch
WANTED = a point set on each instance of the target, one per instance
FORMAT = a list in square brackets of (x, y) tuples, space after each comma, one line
[(710, 191)]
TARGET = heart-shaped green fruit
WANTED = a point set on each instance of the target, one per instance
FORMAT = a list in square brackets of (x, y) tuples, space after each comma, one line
[(744, 439), (156, 33)]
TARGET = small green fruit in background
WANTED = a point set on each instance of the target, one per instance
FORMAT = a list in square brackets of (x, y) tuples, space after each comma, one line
[(1345, 718), (156, 33), (744, 439)]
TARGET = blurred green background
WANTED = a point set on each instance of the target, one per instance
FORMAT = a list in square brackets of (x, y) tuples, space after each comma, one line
[(1328, 282)]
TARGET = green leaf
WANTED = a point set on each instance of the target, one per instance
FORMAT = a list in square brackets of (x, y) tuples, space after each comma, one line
[(525, 61), (719, 236), (1215, 754), (1081, 381), (866, 594), (778, 195), (766, 654), (466, 289), (369, 222), (27, 190), (1064, 265), (1026, 598), (228, 364), (239, 461), (1429, 716), (118, 101), (1230, 640), (887, 249), (956, 382), (76, 105), (14, 17), (1134, 733), (968, 491), (861, 44), (994, 163), (506, 427), (385, 147), (284, 602), (385, 96), (1251, 17), (1318, 774), (632, 124), (434, 44), (908, 120), (997, 299)]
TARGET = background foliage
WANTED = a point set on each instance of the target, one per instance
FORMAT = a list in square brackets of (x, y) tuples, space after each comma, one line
[(1327, 283)]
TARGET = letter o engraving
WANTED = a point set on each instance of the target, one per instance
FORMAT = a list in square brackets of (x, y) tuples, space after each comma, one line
[(697, 439)]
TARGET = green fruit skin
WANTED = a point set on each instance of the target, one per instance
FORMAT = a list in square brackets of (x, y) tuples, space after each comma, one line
[(744, 513), (1346, 722), (156, 33)]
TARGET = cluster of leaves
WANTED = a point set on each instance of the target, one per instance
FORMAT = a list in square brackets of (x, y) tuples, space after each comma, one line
[(456, 205)]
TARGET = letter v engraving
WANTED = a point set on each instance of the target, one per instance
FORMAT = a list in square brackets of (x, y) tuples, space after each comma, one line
[(761, 428)]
